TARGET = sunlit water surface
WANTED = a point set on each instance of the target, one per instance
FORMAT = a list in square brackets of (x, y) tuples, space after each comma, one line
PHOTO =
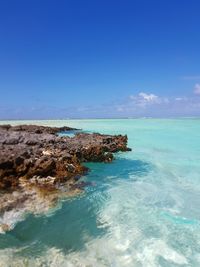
[(142, 210)]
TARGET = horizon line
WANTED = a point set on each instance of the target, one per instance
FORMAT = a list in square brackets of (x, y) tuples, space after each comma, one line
[(103, 118)]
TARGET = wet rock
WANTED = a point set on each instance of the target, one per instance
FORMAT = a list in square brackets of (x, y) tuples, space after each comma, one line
[(4, 227), (81, 185), (29, 150)]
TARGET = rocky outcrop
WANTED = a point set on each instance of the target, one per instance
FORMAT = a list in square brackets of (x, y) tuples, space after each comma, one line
[(37, 129), (37, 167), (36, 154)]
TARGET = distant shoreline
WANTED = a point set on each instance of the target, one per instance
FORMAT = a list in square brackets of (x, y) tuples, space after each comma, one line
[(92, 119)]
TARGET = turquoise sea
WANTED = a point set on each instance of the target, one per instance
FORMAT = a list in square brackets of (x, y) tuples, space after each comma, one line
[(143, 209)]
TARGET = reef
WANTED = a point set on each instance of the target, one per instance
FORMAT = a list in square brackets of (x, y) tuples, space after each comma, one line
[(36, 160)]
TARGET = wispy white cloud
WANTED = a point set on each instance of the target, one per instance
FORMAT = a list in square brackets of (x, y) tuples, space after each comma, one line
[(150, 104), (144, 99), (148, 98), (197, 89), (136, 105)]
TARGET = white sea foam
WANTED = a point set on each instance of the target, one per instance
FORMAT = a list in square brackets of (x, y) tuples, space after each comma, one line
[(10, 218), (124, 245), (98, 253)]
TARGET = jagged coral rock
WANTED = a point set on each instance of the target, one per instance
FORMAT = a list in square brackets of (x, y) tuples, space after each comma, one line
[(30, 150)]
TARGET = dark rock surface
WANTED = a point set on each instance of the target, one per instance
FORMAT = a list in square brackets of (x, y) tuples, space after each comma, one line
[(37, 129), (36, 154)]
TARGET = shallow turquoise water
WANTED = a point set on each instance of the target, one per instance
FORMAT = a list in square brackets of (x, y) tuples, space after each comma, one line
[(143, 209)]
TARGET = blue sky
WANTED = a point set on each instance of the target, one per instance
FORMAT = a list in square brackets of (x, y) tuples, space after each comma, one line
[(80, 59)]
